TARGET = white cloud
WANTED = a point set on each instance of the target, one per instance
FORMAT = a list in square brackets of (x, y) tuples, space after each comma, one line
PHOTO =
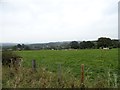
[(57, 20)]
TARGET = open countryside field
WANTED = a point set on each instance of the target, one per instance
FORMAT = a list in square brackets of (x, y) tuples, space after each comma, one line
[(95, 59), (100, 65)]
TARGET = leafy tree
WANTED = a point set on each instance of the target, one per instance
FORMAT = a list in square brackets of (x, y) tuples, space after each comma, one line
[(115, 43), (104, 42), (82, 45), (19, 46), (74, 45), (86, 44), (23, 46), (89, 44)]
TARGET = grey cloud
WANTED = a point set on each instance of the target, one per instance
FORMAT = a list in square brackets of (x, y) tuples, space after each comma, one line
[(57, 20)]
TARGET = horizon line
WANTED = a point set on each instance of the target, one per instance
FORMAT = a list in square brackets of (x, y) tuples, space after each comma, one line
[(54, 41)]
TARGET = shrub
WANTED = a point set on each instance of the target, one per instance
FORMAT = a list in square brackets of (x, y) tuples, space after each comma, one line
[(9, 57)]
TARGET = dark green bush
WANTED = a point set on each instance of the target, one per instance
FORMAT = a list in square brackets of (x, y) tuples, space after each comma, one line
[(8, 57)]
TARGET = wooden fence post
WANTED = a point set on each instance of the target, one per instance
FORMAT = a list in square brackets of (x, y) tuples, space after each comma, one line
[(82, 76), (59, 74), (34, 65)]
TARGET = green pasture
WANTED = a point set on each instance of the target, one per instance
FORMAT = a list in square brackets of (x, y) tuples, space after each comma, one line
[(96, 61)]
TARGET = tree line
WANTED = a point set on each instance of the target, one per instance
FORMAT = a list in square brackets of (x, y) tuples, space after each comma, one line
[(21, 47), (102, 42)]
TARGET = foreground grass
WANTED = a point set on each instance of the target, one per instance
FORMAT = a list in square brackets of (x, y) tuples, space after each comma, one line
[(26, 78), (100, 69)]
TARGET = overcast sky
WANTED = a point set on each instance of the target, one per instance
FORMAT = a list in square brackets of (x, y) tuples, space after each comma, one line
[(31, 21)]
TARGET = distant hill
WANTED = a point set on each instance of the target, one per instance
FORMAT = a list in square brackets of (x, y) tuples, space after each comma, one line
[(50, 45), (8, 44)]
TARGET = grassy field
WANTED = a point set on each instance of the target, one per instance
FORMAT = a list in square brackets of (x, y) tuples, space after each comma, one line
[(100, 67)]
